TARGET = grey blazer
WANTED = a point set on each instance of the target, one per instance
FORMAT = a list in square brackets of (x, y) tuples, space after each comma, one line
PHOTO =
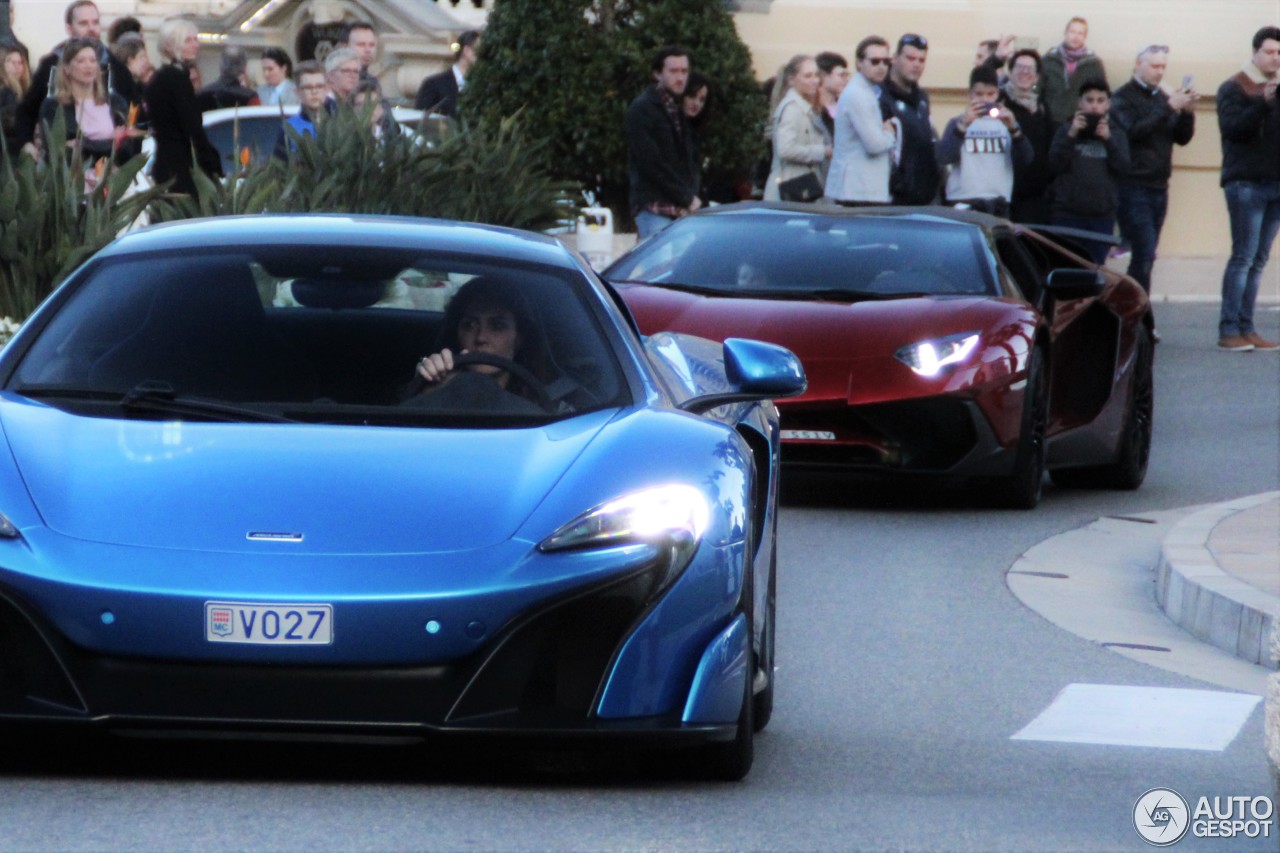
[(861, 163)]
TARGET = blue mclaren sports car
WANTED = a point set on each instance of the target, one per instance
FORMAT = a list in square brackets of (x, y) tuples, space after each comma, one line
[(343, 474)]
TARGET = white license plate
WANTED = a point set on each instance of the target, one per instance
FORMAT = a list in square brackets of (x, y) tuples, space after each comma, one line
[(807, 435), (268, 624)]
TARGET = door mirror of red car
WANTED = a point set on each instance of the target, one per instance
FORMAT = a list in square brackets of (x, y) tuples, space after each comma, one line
[(1075, 283)]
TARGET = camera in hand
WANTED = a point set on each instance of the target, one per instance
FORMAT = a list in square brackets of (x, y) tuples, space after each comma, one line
[(1091, 124)]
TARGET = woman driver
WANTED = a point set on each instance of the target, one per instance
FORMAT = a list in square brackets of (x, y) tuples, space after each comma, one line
[(490, 317)]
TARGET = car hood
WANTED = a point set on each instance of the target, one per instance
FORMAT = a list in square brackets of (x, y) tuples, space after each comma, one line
[(846, 348), (358, 490)]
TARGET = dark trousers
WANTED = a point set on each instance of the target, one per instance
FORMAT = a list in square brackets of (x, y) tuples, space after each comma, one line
[(1102, 225), (1141, 216)]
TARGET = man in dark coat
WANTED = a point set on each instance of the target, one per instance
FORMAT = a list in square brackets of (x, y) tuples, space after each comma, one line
[(914, 179), (1154, 122), (1249, 119), (82, 21), (230, 89), (439, 92), (663, 173)]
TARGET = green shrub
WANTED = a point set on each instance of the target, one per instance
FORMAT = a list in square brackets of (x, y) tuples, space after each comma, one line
[(49, 225), (573, 67), (475, 175)]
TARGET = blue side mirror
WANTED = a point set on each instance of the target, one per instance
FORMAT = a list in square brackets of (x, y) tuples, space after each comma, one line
[(754, 370), (769, 370)]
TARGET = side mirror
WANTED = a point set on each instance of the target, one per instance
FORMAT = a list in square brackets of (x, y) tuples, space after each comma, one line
[(755, 370), (1075, 283)]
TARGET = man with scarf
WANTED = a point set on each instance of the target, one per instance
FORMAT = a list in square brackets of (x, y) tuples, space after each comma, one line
[(1249, 120), (914, 179), (1066, 68), (660, 147)]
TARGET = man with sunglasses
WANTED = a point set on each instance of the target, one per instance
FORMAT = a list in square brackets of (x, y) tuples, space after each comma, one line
[(915, 177), (862, 157)]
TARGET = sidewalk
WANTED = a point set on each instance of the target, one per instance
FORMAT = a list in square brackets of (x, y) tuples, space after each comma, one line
[(1219, 575)]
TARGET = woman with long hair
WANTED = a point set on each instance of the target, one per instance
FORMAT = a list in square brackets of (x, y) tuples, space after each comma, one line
[(277, 79), (175, 118), (96, 123), (15, 79), (801, 142)]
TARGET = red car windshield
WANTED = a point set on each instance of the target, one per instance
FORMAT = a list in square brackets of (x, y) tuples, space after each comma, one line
[(800, 255)]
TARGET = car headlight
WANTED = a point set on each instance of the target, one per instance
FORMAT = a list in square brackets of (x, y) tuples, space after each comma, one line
[(672, 514), (927, 358), (7, 528)]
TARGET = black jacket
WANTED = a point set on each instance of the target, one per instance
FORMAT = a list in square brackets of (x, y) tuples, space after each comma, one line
[(1250, 132), (223, 93), (1087, 172), (1032, 178), (660, 157), (915, 179), (438, 94), (177, 127), (28, 114), (92, 149), (1152, 128)]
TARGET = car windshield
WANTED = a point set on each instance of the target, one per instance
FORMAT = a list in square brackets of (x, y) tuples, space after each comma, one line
[(322, 335), (805, 255)]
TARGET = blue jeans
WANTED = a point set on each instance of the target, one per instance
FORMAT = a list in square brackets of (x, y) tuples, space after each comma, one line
[(1254, 207), (1105, 225), (1141, 216), (648, 224)]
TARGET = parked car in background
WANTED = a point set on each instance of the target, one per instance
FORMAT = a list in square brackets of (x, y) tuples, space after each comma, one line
[(936, 341)]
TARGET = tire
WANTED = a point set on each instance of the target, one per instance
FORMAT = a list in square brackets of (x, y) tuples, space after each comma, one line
[(763, 701), (1130, 468), (1022, 488)]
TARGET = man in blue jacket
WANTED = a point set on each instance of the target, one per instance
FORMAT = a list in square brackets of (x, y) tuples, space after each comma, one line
[(1249, 119), (312, 92)]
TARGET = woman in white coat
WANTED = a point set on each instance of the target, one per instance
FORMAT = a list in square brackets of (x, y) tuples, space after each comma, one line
[(801, 142)]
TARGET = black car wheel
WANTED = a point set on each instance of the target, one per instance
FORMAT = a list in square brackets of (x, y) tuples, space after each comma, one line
[(731, 761), (1130, 467), (1022, 488)]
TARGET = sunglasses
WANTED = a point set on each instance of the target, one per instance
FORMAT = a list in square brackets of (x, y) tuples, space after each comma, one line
[(878, 60), (918, 42)]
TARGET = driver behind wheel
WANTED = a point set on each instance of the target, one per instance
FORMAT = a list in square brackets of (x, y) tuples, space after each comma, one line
[(486, 317)]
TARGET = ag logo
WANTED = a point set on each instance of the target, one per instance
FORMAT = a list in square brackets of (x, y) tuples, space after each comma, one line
[(1161, 817)]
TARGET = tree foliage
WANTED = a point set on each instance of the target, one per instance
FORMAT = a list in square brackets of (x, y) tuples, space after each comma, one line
[(574, 66)]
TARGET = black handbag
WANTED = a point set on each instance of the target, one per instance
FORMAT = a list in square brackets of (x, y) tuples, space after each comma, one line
[(807, 187)]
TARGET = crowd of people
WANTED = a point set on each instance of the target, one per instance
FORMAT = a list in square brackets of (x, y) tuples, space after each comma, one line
[(111, 96), (1043, 140)]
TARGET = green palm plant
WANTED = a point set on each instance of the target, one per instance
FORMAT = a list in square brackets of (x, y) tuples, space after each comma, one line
[(49, 225)]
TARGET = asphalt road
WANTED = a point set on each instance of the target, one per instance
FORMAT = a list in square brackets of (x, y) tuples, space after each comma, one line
[(905, 666)]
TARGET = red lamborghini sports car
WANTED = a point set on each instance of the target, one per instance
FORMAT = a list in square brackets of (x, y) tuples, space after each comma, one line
[(936, 341)]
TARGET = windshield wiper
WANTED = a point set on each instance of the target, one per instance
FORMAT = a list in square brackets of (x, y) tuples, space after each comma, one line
[(152, 396)]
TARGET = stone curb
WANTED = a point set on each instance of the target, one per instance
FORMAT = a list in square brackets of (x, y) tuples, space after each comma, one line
[(1204, 600)]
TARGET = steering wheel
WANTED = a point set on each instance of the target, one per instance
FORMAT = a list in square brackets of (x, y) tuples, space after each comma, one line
[(536, 386)]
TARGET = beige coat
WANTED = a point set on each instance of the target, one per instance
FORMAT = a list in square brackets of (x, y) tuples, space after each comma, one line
[(800, 143)]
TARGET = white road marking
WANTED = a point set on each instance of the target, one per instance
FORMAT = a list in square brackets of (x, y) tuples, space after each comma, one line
[(1142, 716)]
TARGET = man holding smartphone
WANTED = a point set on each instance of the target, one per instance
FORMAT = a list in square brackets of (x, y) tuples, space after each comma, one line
[(1154, 120), (1088, 157), (981, 146)]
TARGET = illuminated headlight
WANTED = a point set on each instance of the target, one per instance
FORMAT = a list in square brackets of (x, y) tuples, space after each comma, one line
[(7, 530), (672, 514), (927, 358)]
